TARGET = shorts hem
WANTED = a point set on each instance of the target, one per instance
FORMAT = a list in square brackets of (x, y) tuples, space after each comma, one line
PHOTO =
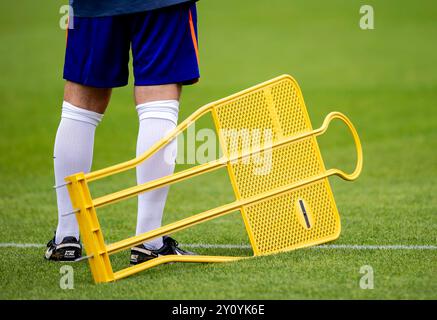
[(185, 82), (95, 84)]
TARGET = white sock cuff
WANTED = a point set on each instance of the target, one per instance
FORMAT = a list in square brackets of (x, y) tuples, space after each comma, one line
[(75, 113), (162, 109)]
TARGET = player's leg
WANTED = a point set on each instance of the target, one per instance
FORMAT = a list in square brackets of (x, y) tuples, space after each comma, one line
[(82, 111), (168, 36), (88, 98), (157, 109), (157, 118), (90, 75)]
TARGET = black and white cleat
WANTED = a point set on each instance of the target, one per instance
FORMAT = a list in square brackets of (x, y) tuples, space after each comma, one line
[(140, 254), (69, 249)]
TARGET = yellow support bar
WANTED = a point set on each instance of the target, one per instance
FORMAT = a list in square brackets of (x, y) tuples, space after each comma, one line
[(95, 175), (158, 183), (91, 233), (171, 258)]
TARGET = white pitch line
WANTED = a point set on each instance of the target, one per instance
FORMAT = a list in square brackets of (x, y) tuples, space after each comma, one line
[(376, 247), (21, 245), (216, 246), (245, 246), (326, 246)]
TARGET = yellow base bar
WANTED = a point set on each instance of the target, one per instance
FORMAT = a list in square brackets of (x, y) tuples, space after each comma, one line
[(171, 258)]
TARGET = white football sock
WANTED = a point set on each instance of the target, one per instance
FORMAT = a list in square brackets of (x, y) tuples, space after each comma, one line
[(73, 153), (157, 118)]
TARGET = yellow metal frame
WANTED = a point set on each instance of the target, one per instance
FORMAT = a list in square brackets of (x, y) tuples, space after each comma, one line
[(98, 252)]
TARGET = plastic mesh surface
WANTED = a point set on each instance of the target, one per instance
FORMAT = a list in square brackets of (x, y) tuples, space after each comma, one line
[(277, 224), (302, 217)]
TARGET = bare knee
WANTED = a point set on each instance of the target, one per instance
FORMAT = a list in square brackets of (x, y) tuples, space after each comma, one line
[(145, 94), (89, 98)]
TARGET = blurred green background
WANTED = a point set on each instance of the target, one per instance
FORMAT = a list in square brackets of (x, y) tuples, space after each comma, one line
[(384, 79)]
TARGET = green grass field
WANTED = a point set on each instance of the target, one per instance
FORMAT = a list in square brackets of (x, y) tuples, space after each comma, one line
[(384, 79)]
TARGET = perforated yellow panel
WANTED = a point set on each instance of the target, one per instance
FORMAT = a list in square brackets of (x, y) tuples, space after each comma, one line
[(302, 217), (278, 224)]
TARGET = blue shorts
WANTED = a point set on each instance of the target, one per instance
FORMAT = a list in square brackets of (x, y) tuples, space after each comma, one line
[(163, 42)]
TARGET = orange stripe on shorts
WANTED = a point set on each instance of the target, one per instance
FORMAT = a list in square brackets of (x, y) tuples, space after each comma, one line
[(66, 31), (193, 36)]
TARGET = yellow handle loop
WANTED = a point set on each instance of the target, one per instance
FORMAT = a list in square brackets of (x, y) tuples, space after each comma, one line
[(359, 166)]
